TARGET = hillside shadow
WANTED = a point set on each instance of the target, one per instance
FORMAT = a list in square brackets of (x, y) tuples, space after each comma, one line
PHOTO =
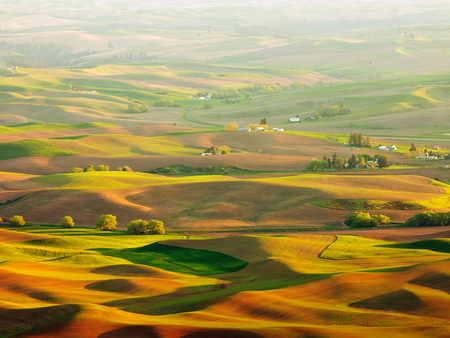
[(197, 298), (132, 331)]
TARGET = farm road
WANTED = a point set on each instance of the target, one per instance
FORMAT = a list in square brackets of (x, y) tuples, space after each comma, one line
[(189, 117)]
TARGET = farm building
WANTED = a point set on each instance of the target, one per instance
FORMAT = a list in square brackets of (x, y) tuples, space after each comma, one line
[(381, 147), (277, 129), (206, 154), (425, 157), (436, 148), (260, 129), (294, 119), (244, 129), (392, 147)]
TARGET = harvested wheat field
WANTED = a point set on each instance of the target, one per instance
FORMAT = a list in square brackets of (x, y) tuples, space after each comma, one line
[(219, 202)]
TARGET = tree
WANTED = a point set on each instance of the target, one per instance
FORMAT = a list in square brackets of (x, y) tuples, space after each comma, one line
[(339, 163), (224, 152), (156, 227), (16, 221), (334, 158), (263, 121), (119, 169), (252, 126), (106, 223), (413, 147), (231, 127), (314, 165), (138, 226), (360, 140), (382, 219), (383, 161), (360, 220), (67, 222), (75, 170), (90, 167), (1, 220), (126, 168), (102, 167)]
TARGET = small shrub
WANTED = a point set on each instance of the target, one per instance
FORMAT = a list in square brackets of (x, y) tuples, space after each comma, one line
[(75, 170), (126, 168), (106, 223), (1, 220), (119, 169), (16, 221), (67, 222)]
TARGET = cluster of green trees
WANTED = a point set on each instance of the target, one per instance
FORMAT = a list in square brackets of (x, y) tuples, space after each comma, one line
[(262, 88), (365, 220), (184, 169), (136, 108), (137, 226), (335, 110), (90, 167), (429, 218), (358, 140), (214, 150), (140, 227), (360, 161), (167, 103)]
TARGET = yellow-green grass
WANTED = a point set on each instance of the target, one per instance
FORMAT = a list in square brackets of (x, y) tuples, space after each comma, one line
[(356, 247), (31, 148), (30, 126), (124, 145), (116, 179), (368, 187)]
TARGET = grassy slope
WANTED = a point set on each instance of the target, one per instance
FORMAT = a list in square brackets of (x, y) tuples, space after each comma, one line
[(277, 289)]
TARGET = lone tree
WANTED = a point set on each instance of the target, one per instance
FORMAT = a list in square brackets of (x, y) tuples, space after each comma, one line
[(1, 220), (67, 222), (16, 221), (106, 223), (383, 161)]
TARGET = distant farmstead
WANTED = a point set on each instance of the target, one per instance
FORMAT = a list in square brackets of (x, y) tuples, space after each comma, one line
[(244, 129), (260, 129), (277, 129), (294, 119)]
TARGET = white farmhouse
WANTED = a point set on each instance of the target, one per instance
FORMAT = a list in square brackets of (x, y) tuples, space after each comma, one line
[(260, 129), (382, 147), (294, 119), (244, 129)]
